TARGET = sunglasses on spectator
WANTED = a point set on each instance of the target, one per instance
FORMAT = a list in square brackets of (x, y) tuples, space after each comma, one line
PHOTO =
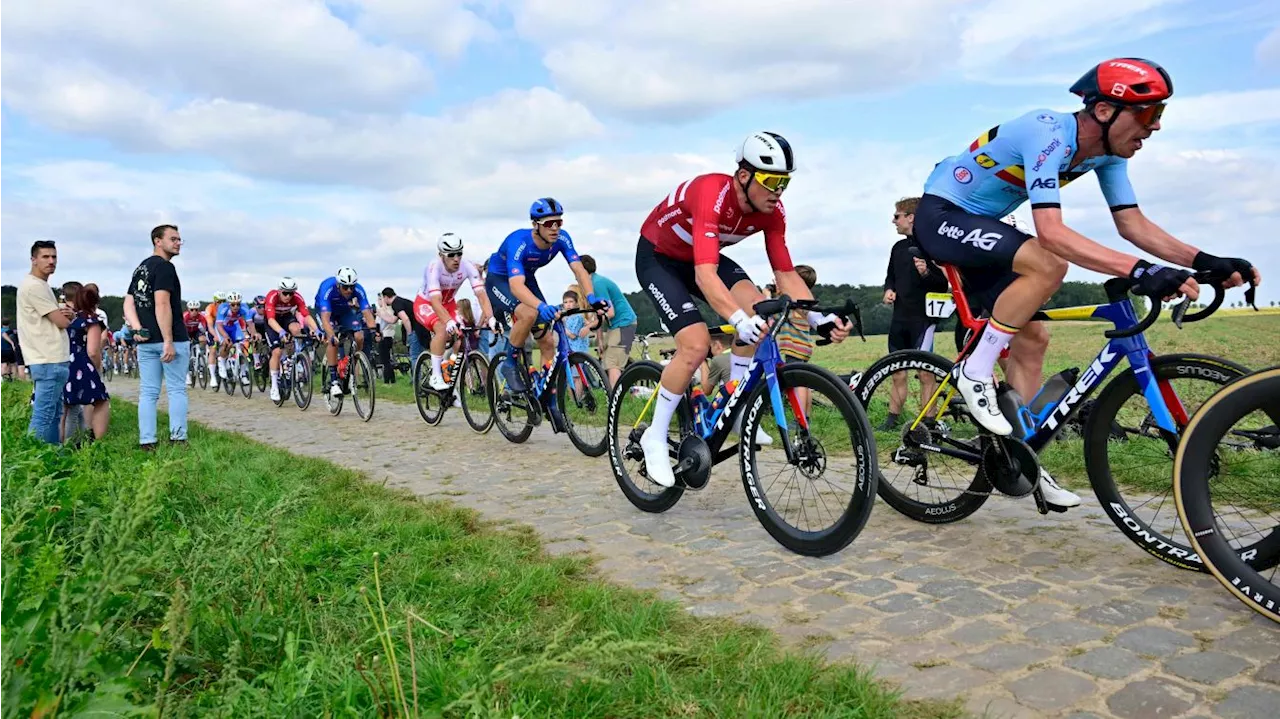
[(897, 215)]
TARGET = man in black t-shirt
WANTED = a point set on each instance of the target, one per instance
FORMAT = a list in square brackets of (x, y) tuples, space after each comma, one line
[(907, 281), (153, 309), (416, 335)]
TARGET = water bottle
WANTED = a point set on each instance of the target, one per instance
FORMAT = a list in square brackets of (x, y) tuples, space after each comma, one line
[(723, 396), (1054, 389)]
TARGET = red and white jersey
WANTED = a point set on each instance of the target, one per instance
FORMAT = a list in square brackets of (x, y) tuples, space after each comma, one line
[(445, 283), (702, 215), (295, 309)]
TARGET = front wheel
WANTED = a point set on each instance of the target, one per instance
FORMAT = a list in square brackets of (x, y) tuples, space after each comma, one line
[(1130, 462), (429, 402), (817, 500), (583, 395), (472, 388), (362, 385), (630, 413), (302, 381)]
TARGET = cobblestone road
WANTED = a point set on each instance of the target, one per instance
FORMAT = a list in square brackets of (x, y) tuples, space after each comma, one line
[(1022, 615)]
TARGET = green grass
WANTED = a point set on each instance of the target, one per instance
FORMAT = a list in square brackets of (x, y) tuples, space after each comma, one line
[(235, 579)]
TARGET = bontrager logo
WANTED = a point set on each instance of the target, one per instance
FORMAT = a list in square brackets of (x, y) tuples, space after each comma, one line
[(661, 299)]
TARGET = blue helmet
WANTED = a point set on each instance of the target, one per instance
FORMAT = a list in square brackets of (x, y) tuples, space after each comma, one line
[(545, 207)]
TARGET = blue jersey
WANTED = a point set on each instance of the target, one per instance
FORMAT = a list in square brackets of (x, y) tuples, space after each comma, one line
[(227, 316), (1029, 157), (520, 255), (329, 299)]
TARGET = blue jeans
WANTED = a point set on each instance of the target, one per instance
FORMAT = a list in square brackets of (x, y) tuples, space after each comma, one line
[(50, 379), (150, 371), (415, 347)]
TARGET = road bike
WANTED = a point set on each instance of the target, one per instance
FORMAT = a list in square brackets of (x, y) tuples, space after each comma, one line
[(355, 377), (198, 368), (295, 370), (942, 467), (1226, 483), (571, 390), (825, 433), (467, 375), (239, 371)]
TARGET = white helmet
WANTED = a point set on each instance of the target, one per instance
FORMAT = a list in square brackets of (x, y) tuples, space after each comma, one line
[(449, 242), (219, 296), (288, 284), (233, 297), (193, 304), (767, 151), (345, 276)]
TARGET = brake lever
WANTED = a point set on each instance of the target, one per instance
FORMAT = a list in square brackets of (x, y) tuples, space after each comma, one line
[(1179, 311)]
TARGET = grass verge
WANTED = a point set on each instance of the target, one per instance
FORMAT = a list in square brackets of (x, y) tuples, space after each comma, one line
[(235, 579)]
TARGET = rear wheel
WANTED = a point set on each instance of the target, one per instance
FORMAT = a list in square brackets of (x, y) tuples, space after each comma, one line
[(630, 412), (511, 410), (583, 395), (473, 390), (362, 385)]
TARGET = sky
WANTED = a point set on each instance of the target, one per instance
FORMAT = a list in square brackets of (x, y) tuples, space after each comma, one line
[(292, 137)]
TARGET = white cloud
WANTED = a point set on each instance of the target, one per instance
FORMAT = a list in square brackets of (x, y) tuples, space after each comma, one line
[(1267, 53), (1218, 110), (287, 53), (441, 27)]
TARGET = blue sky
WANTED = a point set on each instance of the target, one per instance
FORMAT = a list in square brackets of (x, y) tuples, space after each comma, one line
[(293, 136)]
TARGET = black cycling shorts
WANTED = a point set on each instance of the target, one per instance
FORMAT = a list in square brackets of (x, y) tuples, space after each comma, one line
[(911, 335), (671, 285), (982, 248)]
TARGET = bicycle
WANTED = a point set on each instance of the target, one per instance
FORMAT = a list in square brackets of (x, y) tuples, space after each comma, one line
[(1011, 465), (295, 371), (353, 367), (108, 364), (644, 345), (570, 390), (259, 351), (238, 371), (831, 433), (473, 369), (1234, 428), (198, 365)]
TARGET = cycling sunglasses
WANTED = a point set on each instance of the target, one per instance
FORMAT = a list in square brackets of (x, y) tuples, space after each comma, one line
[(773, 182), (553, 224), (456, 255), (1148, 115), (286, 293)]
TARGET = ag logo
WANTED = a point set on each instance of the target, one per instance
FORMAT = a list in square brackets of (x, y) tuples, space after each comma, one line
[(983, 241), (962, 175), (984, 160), (1044, 184)]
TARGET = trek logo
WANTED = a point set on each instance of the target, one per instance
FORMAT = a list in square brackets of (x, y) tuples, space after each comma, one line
[(661, 299), (1081, 390), (1128, 66), (1044, 184)]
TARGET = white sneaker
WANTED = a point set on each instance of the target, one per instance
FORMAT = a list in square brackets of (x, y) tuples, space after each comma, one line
[(275, 394), (437, 383), (980, 397), (335, 390), (1054, 493), (657, 456)]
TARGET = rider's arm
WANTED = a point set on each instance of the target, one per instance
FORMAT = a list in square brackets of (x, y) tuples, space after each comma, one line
[(367, 311), (522, 292), (1077, 249), (269, 310), (784, 270), (706, 250), (584, 277), (1150, 237)]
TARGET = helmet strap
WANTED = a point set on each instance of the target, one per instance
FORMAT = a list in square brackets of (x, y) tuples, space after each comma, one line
[(744, 186), (1106, 127)]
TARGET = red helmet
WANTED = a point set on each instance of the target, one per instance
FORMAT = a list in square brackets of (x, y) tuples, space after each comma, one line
[(1125, 81)]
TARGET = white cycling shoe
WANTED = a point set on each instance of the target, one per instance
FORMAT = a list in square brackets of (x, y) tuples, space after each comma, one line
[(437, 383), (1054, 493), (657, 456), (335, 389), (275, 394), (980, 397)]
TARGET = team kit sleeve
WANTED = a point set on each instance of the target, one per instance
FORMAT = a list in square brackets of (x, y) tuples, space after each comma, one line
[(472, 273), (775, 241), (699, 199), (514, 248), (301, 304), (1113, 177), (1042, 154), (564, 243), (364, 299), (322, 296), (269, 307)]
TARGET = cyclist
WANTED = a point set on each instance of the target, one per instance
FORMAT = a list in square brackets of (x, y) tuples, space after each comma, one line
[(285, 314), (342, 303), (211, 311), (230, 329), (255, 317), (198, 330), (1011, 273), (435, 306), (678, 258), (511, 286)]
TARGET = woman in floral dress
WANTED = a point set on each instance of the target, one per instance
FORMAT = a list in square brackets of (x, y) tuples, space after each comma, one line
[(84, 385)]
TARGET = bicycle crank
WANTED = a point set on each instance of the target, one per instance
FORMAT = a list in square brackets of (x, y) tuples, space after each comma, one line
[(1010, 465), (693, 462)]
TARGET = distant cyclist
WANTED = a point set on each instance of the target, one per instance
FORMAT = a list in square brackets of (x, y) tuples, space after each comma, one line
[(342, 304), (1011, 273), (198, 330), (436, 306), (285, 314), (231, 329), (512, 287)]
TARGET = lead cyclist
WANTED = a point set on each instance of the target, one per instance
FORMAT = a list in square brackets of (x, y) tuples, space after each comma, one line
[(1011, 273)]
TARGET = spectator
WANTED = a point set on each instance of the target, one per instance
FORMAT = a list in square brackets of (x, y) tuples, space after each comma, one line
[(907, 280), (388, 326), (9, 354), (575, 325), (795, 338), (466, 317), (85, 391), (618, 330), (72, 414), (42, 324), (153, 309), (716, 369), (417, 337)]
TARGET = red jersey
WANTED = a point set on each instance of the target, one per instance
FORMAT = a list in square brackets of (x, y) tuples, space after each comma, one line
[(702, 215), (285, 312), (196, 322)]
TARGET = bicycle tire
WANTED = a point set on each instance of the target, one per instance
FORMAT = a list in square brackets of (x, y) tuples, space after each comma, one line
[(971, 498), (476, 401), (302, 387), (1193, 468), (229, 384), (283, 387), (1098, 432), (593, 402), (361, 366), (424, 396), (262, 374), (513, 433), (851, 523), (633, 374), (245, 372)]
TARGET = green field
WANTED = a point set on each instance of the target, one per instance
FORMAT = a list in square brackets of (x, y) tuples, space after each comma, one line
[(233, 579)]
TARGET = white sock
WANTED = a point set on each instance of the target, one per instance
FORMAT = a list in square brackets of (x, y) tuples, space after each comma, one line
[(437, 361), (738, 367), (275, 379), (982, 363), (664, 408)]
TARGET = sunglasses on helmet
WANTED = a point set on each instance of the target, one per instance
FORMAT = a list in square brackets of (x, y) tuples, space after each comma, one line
[(773, 182)]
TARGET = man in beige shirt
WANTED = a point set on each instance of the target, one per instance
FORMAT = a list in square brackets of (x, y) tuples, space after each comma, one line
[(42, 325)]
